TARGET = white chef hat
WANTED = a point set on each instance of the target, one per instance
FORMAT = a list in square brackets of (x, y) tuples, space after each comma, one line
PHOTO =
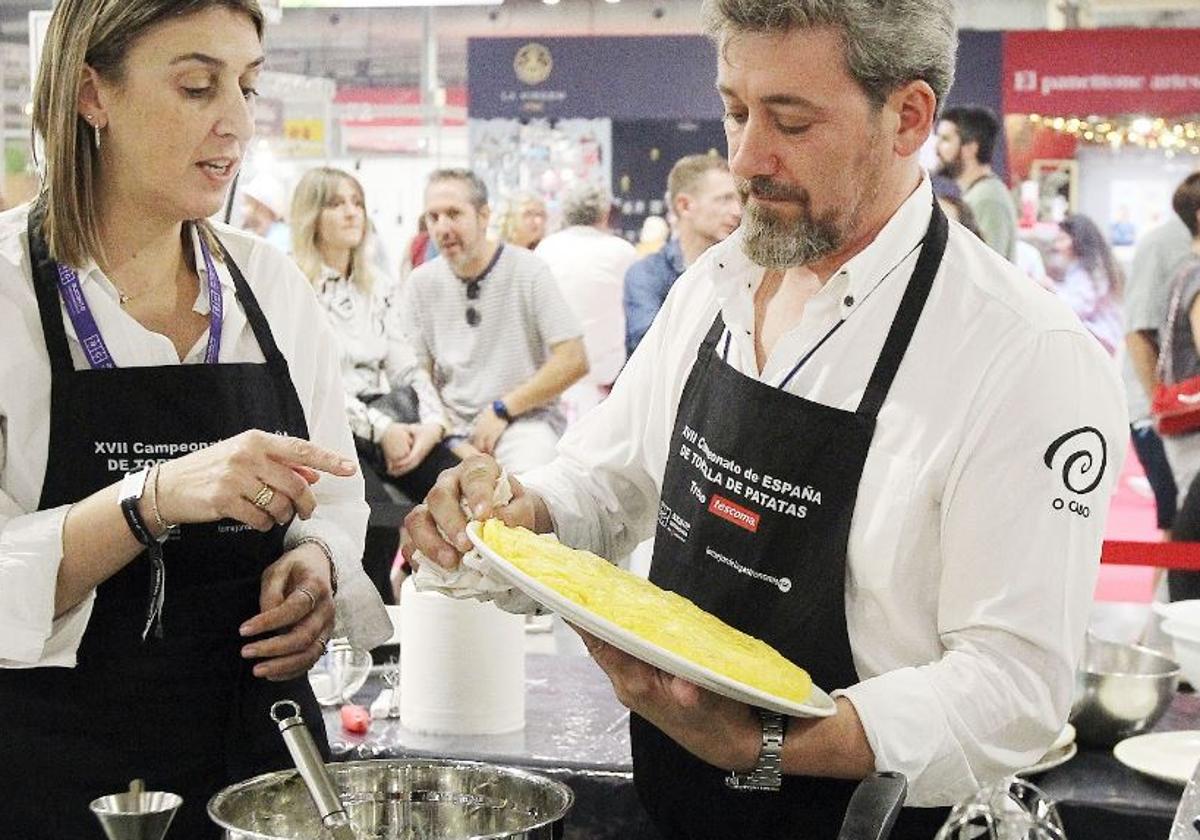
[(269, 190)]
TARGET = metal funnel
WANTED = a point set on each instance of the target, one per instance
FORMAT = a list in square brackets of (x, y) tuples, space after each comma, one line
[(136, 815)]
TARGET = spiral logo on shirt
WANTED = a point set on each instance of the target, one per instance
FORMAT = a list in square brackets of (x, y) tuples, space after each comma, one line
[(1082, 455)]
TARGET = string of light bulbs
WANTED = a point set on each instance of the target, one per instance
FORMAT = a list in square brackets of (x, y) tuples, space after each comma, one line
[(1172, 136)]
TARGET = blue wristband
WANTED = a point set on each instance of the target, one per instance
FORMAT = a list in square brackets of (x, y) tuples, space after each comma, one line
[(501, 410)]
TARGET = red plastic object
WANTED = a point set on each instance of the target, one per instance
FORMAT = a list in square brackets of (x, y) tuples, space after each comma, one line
[(355, 719)]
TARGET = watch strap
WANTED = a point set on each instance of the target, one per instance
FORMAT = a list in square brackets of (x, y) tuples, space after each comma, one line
[(767, 774), (133, 485), (500, 409)]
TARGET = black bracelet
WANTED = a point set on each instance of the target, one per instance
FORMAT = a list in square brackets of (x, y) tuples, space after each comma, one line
[(130, 495), (134, 519)]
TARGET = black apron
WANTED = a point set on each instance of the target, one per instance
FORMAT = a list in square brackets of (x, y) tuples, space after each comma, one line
[(183, 712), (758, 536)]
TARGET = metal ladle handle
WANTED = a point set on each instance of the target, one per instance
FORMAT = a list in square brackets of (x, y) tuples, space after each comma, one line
[(311, 767)]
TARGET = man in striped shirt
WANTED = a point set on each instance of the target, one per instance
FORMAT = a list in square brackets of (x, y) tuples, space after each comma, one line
[(490, 324)]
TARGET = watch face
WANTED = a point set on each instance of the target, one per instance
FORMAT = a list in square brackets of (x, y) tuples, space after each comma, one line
[(133, 484)]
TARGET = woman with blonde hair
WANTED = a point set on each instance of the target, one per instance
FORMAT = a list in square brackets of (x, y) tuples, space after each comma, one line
[(524, 222), (181, 518), (395, 414)]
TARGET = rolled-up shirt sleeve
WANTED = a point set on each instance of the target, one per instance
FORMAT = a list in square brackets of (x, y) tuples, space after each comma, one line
[(1022, 523), (30, 554), (602, 490)]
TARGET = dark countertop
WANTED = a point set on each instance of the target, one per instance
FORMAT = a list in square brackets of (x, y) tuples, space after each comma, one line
[(572, 719), (577, 731), (1099, 796)]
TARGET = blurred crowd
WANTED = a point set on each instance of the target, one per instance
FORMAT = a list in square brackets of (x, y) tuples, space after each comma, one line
[(1147, 318), (494, 333)]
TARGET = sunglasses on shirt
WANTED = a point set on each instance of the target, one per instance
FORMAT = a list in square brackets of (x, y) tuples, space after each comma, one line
[(473, 317)]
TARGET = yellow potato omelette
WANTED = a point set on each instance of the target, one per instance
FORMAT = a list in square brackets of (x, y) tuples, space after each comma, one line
[(663, 618)]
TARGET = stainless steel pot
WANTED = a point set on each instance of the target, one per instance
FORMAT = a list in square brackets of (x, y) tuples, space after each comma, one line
[(402, 799)]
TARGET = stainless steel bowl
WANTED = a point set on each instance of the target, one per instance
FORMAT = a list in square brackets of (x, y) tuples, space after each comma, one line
[(402, 799), (1120, 690)]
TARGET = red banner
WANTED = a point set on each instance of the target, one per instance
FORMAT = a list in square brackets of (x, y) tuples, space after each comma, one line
[(1102, 72)]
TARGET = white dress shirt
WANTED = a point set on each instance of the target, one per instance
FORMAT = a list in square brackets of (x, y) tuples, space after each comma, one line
[(31, 540), (375, 355), (970, 564), (589, 265)]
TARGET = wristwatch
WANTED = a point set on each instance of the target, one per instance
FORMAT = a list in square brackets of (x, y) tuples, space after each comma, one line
[(767, 774), (133, 485), (501, 411), (130, 493)]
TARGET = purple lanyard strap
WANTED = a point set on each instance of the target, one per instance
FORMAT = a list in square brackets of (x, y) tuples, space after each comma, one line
[(89, 334)]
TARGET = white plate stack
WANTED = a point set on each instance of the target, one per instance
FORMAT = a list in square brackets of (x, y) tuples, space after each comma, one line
[(1060, 752), (462, 665)]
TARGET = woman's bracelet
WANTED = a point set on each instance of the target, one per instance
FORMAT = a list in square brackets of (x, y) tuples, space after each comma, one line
[(163, 525), (328, 552)]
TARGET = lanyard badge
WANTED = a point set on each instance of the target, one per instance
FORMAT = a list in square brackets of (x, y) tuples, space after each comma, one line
[(88, 332)]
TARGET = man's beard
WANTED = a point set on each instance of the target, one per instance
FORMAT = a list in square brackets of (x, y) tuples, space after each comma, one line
[(951, 168), (777, 241)]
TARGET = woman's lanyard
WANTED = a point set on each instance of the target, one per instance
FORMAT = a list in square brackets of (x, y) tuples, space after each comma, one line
[(89, 334), (821, 342)]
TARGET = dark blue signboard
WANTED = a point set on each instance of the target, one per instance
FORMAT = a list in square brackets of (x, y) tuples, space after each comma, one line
[(622, 78), (979, 80), (667, 78)]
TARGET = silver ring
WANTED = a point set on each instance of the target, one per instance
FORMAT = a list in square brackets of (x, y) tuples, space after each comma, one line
[(304, 590), (264, 496)]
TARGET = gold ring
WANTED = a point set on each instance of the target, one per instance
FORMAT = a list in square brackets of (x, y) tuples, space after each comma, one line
[(304, 590), (323, 642), (264, 496)]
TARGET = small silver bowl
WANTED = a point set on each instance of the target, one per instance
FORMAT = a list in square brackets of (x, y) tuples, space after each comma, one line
[(1120, 690)]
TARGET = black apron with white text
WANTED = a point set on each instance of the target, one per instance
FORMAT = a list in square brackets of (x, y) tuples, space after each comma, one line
[(754, 520), (183, 712)]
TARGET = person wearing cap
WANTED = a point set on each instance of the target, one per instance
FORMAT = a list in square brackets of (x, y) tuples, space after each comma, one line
[(854, 432), (181, 514), (264, 209)]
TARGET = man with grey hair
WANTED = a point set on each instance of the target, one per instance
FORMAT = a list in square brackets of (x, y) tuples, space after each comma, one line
[(589, 263), (856, 433)]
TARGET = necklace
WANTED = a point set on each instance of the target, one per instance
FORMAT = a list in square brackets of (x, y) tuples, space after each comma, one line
[(124, 298)]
